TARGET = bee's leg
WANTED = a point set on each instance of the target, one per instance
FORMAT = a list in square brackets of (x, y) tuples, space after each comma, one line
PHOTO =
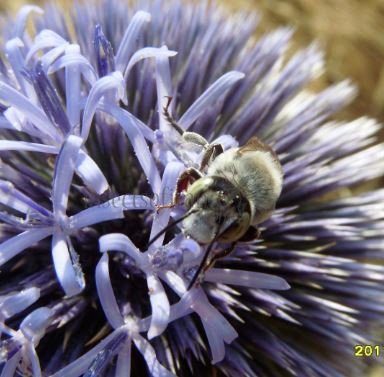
[(219, 255), (169, 117), (253, 233), (211, 152), (186, 178)]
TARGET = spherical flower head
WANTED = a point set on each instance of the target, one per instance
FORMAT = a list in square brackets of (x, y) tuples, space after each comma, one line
[(106, 116)]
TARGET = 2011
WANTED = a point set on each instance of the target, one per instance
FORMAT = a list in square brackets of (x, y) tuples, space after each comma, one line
[(367, 350)]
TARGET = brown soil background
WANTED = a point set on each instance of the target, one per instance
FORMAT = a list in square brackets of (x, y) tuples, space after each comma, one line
[(351, 32)]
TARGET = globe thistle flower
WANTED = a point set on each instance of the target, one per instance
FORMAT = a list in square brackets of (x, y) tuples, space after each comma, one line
[(90, 283)]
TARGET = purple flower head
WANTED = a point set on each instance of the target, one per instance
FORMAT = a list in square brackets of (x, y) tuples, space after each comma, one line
[(101, 114)]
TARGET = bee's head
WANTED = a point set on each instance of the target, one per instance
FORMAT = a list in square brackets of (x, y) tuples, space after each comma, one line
[(218, 208)]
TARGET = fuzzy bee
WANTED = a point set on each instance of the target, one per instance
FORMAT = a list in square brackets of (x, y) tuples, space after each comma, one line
[(231, 193)]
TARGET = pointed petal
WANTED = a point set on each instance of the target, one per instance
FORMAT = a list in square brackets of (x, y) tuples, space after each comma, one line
[(34, 360), (45, 39), (95, 215), (106, 294), (123, 365), (110, 210), (101, 88), (49, 99), (139, 145), (15, 245), (148, 352), (22, 17), (16, 59), (249, 279), (9, 145), (120, 242), (14, 98), (67, 268), (217, 328), (72, 59), (73, 83), (129, 40), (209, 97), (10, 366), (64, 170), (81, 365), (34, 324), (159, 305), (90, 173), (145, 53), (14, 303), (15, 199)]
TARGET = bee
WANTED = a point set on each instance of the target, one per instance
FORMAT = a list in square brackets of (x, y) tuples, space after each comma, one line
[(231, 193)]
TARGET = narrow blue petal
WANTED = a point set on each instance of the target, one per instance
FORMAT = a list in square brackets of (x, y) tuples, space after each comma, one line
[(34, 324), (105, 356), (49, 100), (102, 88), (110, 210), (123, 364), (65, 260), (106, 294), (81, 365), (90, 173), (46, 39), (145, 53), (139, 145), (159, 305), (73, 59), (95, 215), (14, 98), (129, 40), (22, 17), (64, 170), (10, 366), (15, 199), (16, 59), (148, 352), (249, 279), (34, 359), (147, 132), (209, 97), (51, 56), (9, 145), (120, 242), (73, 84), (17, 244), (14, 303)]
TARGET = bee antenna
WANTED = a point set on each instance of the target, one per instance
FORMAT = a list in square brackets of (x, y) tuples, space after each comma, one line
[(169, 226)]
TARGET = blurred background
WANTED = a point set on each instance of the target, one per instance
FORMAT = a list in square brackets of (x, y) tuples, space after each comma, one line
[(351, 32)]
